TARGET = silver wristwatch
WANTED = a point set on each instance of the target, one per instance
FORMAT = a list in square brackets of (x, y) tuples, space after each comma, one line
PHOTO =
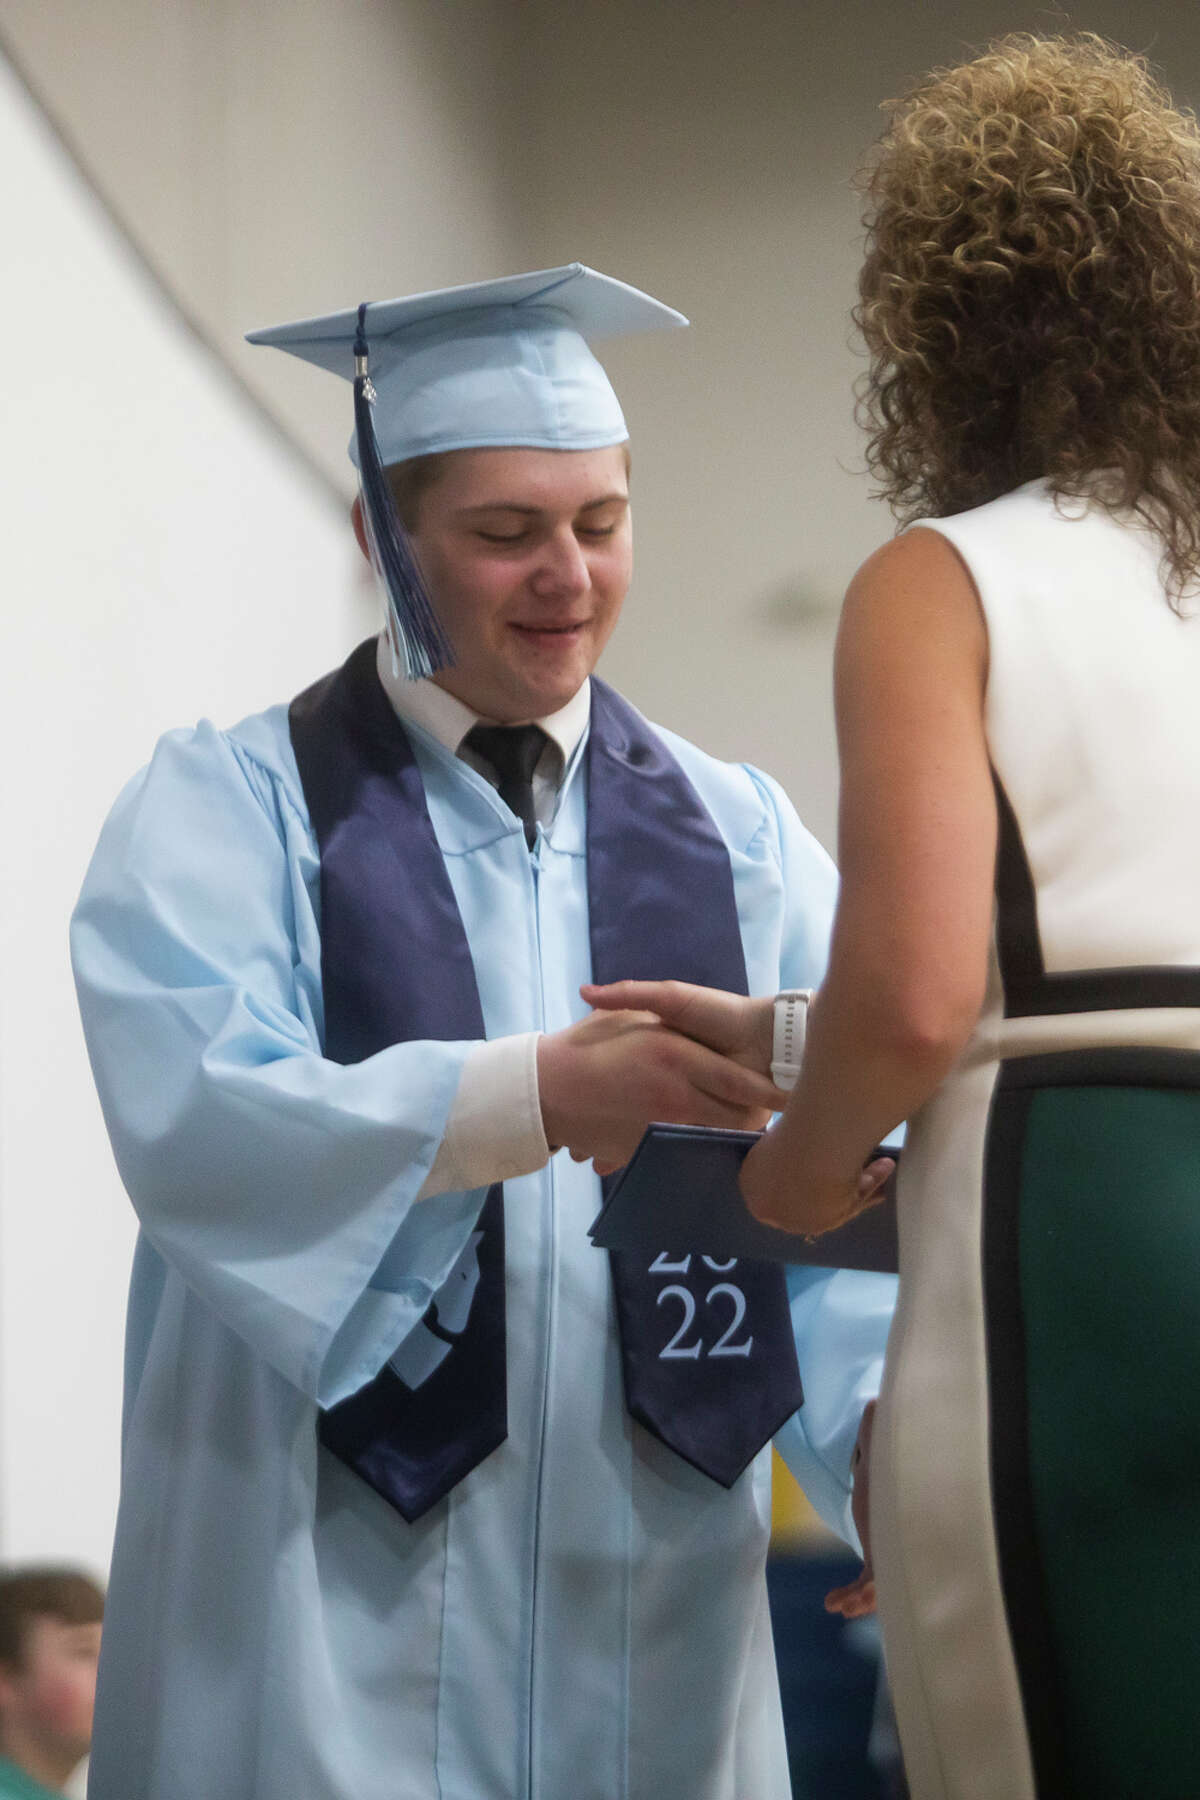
[(791, 1023)]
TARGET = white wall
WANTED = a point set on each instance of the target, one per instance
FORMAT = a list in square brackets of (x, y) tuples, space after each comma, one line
[(279, 158)]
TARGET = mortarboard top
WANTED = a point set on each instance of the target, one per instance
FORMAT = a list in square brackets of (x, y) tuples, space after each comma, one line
[(501, 362)]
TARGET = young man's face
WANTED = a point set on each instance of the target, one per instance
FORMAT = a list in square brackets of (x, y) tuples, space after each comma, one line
[(528, 555), (47, 1700)]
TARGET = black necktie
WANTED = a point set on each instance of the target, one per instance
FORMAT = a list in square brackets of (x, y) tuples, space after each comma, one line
[(514, 751)]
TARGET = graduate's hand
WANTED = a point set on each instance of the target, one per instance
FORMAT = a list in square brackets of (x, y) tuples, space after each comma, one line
[(781, 1190), (858, 1596), (738, 1027), (603, 1080)]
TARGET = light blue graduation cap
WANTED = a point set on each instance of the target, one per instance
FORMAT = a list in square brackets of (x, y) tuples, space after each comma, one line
[(504, 363)]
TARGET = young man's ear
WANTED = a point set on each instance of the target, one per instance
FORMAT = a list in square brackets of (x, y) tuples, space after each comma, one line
[(360, 530)]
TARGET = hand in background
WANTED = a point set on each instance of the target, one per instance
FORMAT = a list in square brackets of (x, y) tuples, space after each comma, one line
[(603, 1080), (732, 1024), (858, 1596)]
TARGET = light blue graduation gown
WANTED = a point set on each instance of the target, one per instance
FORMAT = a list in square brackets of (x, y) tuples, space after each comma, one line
[(584, 1617)]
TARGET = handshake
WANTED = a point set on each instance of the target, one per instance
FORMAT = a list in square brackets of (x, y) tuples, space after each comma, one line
[(671, 1053), (660, 1051)]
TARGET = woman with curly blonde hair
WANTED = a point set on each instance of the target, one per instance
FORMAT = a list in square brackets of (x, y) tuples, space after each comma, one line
[(1016, 955), (1016, 959)]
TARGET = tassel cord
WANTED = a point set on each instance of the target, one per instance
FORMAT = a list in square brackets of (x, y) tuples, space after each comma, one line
[(414, 631)]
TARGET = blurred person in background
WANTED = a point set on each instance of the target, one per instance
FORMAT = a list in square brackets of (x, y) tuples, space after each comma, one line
[(1015, 962), (50, 1621)]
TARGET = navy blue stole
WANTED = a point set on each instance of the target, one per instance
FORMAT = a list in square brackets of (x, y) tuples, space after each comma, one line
[(708, 1352)]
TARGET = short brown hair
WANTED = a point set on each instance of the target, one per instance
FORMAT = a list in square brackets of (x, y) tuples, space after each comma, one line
[(1030, 298), (410, 481), (67, 1595)]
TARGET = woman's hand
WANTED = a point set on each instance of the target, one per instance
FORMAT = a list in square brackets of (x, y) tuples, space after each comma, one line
[(778, 1190), (739, 1028)]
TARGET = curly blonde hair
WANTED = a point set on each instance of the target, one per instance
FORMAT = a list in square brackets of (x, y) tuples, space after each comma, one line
[(1030, 298)]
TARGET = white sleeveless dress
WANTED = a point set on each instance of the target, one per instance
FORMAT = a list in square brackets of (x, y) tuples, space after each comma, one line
[(1036, 1468)]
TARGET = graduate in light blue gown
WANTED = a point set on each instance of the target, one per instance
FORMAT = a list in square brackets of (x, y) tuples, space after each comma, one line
[(424, 1497)]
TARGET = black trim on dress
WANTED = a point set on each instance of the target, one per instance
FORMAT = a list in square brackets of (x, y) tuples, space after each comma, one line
[(1029, 992), (1022, 1579), (1105, 1065), (1018, 941)]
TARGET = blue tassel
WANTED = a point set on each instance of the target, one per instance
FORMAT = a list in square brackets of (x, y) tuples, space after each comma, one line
[(419, 645)]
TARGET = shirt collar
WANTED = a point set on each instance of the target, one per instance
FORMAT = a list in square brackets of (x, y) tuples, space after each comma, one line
[(447, 719)]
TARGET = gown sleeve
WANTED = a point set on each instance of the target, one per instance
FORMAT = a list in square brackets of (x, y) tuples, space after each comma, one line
[(279, 1185), (840, 1318)]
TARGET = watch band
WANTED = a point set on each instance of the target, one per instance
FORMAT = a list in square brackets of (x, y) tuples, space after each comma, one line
[(791, 1024)]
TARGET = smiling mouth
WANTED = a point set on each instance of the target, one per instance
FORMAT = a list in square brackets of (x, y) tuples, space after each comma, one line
[(549, 630)]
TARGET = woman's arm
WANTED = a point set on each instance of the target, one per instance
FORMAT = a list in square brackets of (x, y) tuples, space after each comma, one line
[(917, 846)]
